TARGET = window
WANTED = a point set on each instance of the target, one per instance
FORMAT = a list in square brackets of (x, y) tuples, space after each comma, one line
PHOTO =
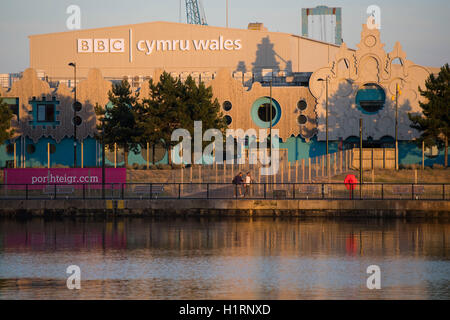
[(227, 105), (302, 119), (45, 112), (261, 110), (302, 105), (264, 112), (228, 119), (371, 98)]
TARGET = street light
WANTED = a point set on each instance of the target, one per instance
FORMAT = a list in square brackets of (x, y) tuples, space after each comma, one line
[(74, 65), (326, 116), (103, 157)]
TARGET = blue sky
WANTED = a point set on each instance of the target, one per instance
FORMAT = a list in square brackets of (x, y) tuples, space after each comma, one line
[(422, 27)]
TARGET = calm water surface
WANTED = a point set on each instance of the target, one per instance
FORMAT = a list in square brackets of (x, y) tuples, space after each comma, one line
[(203, 258)]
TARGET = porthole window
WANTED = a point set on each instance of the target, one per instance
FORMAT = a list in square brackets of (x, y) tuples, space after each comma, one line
[(228, 119), (261, 111), (370, 98), (31, 148), (302, 119), (227, 105), (302, 105), (10, 149), (52, 148), (264, 112)]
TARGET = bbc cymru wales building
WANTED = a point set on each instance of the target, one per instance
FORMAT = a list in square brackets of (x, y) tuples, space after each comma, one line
[(239, 64)]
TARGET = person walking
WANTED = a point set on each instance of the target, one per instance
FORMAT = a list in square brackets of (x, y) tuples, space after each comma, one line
[(238, 180), (248, 181)]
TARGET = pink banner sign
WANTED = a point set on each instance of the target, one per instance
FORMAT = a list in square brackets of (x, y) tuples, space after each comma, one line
[(64, 176)]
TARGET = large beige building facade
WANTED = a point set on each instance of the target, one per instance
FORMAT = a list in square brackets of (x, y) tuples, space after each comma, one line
[(238, 64)]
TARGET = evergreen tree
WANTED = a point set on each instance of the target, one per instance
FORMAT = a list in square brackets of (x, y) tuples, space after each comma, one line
[(5, 121), (201, 106), (162, 112), (120, 119), (434, 122), (173, 104)]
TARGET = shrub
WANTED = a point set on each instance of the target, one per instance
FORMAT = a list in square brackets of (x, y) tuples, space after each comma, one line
[(438, 166), (135, 166), (152, 167)]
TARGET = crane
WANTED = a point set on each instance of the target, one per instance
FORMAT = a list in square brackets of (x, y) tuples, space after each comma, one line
[(195, 12)]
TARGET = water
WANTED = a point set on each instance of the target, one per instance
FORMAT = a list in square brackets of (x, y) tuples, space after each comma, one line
[(224, 258)]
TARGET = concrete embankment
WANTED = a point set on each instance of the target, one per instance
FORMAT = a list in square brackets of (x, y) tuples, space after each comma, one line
[(289, 208)]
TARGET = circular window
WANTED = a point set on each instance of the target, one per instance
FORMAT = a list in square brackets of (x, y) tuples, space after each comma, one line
[(228, 119), (302, 105), (370, 98), (31, 148), (264, 112), (52, 148), (260, 112), (77, 120), (227, 106), (10, 149), (302, 119)]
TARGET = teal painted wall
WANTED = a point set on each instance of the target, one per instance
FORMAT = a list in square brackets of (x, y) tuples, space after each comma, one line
[(298, 148)]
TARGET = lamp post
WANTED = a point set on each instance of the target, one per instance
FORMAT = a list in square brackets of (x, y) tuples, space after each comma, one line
[(396, 127), (270, 121), (361, 177), (326, 117), (74, 65), (103, 157)]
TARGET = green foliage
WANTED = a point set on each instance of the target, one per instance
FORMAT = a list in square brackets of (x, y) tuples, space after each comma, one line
[(172, 105), (434, 122), (5, 121), (162, 112), (201, 107), (120, 124)]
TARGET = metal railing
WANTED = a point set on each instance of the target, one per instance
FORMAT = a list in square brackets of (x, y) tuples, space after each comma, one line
[(227, 191)]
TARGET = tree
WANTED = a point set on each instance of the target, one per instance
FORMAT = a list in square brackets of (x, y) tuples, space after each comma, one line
[(120, 119), (162, 112), (434, 122), (173, 104), (5, 121), (201, 106)]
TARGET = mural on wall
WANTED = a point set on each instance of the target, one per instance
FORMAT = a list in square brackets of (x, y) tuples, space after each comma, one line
[(361, 84), (46, 112), (293, 107)]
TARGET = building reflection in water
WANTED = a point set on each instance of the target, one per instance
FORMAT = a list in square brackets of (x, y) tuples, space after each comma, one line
[(226, 258)]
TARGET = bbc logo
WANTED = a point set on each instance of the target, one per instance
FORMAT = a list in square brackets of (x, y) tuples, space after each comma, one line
[(101, 45)]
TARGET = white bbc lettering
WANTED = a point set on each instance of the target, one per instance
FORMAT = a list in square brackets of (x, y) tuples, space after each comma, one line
[(117, 45), (85, 46), (101, 45)]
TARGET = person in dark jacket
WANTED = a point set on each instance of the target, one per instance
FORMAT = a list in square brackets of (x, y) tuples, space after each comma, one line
[(238, 181)]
